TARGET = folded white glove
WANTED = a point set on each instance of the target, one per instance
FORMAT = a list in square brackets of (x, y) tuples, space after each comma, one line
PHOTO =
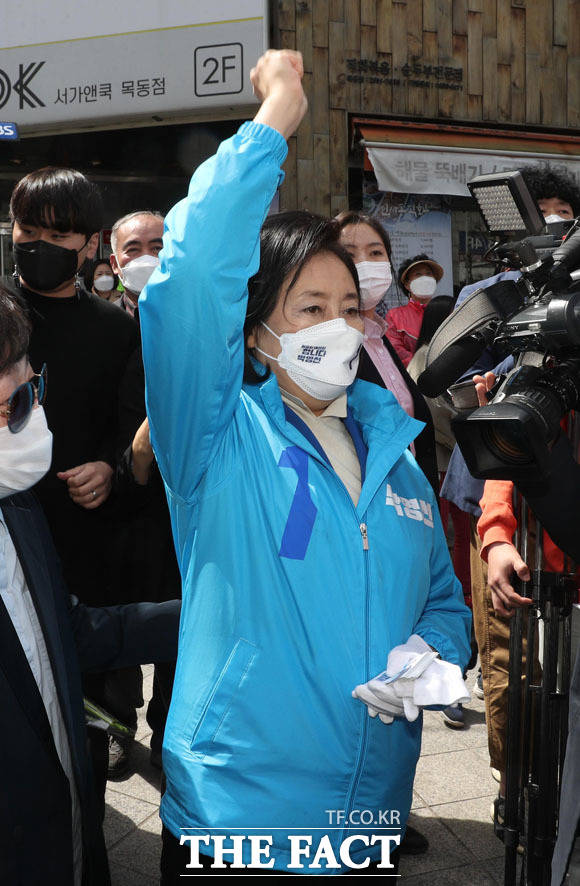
[(390, 694), (380, 699), (441, 683), (415, 677)]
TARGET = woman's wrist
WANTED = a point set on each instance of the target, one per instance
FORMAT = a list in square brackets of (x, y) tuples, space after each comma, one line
[(141, 461)]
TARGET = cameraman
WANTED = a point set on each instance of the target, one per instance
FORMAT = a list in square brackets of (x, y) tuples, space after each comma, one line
[(559, 199)]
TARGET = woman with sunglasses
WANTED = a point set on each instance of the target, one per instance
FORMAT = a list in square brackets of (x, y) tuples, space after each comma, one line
[(25, 440), (17, 409), (287, 486)]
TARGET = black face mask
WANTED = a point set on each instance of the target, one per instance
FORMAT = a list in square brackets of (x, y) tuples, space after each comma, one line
[(44, 266)]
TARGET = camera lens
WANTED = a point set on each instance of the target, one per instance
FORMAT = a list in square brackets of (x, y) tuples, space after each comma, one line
[(507, 444)]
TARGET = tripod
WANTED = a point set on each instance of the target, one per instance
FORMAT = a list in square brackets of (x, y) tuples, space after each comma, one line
[(537, 715)]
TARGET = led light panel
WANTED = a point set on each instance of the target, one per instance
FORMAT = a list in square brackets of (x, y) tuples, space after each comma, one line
[(506, 204), (499, 209)]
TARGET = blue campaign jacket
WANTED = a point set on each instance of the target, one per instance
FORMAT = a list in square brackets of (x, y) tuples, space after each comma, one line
[(284, 611)]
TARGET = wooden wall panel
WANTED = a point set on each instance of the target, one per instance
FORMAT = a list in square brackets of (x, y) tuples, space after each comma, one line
[(474, 53), (320, 22), (352, 49), (338, 158), (415, 28), (319, 108), (490, 18), (460, 17), (304, 32), (504, 40), (574, 91), (305, 130), (518, 64), (445, 35), (286, 15), (371, 93), (504, 93), (305, 196), (513, 62), (322, 173), (368, 12), (384, 22), (574, 27), (490, 78), (430, 15), (399, 55), (288, 194), (336, 10), (459, 101), (560, 22), (559, 86), (336, 64)]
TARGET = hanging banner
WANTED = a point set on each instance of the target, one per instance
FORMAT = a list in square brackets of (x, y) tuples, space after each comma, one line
[(415, 225), (413, 169)]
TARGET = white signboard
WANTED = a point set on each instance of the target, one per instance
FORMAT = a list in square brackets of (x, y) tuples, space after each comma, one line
[(71, 63), (419, 170)]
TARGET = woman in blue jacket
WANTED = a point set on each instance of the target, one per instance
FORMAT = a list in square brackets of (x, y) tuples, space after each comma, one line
[(308, 539)]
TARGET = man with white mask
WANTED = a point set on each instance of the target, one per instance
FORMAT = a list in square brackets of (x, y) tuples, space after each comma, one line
[(136, 240), (46, 639)]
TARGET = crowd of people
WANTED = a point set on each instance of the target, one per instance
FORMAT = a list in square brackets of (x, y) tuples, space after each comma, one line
[(219, 413)]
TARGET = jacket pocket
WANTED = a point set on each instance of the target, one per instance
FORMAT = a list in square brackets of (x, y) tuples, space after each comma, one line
[(222, 695)]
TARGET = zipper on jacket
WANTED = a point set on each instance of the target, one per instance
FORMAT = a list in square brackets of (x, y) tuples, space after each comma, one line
[(364, 735), (365, 536)]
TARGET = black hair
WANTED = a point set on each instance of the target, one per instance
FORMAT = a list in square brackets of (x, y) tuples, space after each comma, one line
[(407, 264), (353, 217), (288, 240), (15, 330), (63, 199), (89, 272), (545, 181), (436, 311)]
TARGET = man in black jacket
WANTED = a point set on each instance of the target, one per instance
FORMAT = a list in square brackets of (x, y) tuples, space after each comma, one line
[(95, 404), (50, 830)]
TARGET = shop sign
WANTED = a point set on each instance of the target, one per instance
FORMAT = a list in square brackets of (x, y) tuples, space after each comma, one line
[(74, 64), (422, 74), (411, 169)]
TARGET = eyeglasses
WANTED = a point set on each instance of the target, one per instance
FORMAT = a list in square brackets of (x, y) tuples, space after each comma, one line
[(21, 401)]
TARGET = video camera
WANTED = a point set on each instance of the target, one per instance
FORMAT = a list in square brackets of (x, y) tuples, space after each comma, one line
[(536, 318)]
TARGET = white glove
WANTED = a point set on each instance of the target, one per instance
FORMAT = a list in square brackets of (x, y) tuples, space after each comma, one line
[(380, 699), (441, 683), (415, 677), (390, 693)]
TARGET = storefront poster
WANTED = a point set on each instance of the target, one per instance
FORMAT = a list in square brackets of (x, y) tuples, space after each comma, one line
[(414, 224)]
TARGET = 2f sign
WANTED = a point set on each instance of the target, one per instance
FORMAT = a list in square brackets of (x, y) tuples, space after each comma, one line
[(8, 131), (219, 69)]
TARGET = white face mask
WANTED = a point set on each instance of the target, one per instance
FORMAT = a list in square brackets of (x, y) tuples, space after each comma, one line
[(374, 278), (423, 286), (322, 359), (135, 275), (103, 284), (553, 219), (24, 457)]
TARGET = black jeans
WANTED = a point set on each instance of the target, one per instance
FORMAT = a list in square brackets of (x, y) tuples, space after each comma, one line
[(175, 857)]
